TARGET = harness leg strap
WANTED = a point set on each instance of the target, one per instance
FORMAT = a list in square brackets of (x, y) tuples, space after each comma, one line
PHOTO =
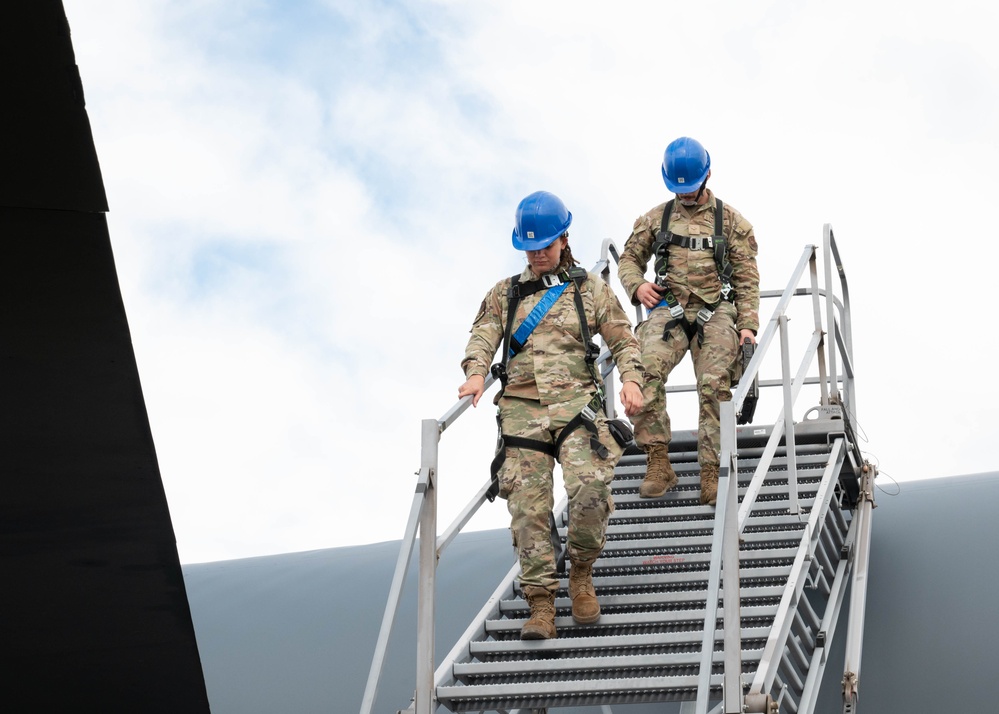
[(586, 422), (558, 547), (688, 329), (517, 442)]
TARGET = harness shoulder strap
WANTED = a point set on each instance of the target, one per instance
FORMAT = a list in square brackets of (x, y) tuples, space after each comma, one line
[(721, 244), (514, 300), (579, 276), (662, 237), (513, 342), (519, 338)]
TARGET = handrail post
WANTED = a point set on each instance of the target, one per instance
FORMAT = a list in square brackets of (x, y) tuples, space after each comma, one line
[(730, 566), (830, 314), (789, 445), (825, 338), (846, 329), (428, 571), (424, 486)]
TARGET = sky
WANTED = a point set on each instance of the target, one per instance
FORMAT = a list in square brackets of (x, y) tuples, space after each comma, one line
[(309, 199)]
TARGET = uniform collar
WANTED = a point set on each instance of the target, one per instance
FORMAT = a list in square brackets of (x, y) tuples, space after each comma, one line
[(529, 275), (709, 204)]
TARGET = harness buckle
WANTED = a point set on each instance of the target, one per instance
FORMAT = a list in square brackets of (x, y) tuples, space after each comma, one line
[(701, 242), (704, 314), (588, 413), (675, 311), (551, 280), (726, 291)]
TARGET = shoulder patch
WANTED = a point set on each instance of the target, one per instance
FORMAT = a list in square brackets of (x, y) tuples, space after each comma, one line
[(480, 313)]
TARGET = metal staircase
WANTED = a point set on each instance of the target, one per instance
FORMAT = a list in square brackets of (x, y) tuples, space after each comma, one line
[(729, 608)]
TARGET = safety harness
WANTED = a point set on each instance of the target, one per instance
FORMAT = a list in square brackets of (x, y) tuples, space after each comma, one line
[(717, 243), (513, 344)]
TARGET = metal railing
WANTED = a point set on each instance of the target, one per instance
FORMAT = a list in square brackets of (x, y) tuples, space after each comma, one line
[(829, 344), (731, 517)]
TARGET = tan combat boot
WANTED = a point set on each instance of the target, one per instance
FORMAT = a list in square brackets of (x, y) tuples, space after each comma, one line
[(585, 608), (541, 625), (659, 474), (709, 485)]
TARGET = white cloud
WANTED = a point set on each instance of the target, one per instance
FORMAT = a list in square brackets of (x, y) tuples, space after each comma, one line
[(309, 201)]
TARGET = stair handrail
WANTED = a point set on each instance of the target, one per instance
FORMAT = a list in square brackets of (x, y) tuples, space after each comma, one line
[(423, 511), (727, 504), (730, 518), (838, 318), (423, 519)]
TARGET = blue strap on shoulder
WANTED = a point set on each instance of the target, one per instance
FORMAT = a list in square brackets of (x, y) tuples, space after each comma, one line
[(535, 316)]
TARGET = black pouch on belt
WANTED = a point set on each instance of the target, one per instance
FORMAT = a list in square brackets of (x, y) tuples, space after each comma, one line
[(621, 431)]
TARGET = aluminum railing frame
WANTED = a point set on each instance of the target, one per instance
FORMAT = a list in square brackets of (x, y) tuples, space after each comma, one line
[(726, 528), (828, 382), (723, 535), (769, 662)]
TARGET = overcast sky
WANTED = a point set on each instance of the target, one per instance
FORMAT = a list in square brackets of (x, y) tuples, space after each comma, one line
[(309, 200)]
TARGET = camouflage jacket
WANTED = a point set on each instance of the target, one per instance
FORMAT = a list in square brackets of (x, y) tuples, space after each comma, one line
[(552, 367), (694, 272)]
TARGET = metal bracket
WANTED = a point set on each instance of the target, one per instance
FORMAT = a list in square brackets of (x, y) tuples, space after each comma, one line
[(850, 685), (869, 473), (759, 704)]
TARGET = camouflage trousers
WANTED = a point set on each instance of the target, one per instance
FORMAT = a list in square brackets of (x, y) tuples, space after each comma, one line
[(527, 483), (714, 362)]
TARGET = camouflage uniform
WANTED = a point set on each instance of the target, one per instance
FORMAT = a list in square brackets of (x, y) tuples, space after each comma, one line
[(693, 278), (549, 384)]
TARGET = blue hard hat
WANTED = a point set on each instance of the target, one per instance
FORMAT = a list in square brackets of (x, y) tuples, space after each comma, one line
[(541, 218), (685, 165)]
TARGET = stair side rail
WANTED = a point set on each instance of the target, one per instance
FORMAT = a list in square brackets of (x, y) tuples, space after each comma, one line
[(836, 331), (724, 530), (730, 518)]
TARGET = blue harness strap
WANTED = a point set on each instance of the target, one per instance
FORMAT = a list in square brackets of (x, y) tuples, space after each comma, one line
[(535, 316)]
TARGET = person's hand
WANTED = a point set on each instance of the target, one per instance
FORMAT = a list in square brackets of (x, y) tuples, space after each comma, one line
[(747, 335), (472, 386), (649, 294), (631, 398)]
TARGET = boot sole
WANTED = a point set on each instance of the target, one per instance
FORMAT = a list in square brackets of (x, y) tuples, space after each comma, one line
[(586, 621), (533, 634), (660, 494)]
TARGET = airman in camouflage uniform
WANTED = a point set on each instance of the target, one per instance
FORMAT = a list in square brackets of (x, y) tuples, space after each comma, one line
[(693, 278), (548, 384)]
